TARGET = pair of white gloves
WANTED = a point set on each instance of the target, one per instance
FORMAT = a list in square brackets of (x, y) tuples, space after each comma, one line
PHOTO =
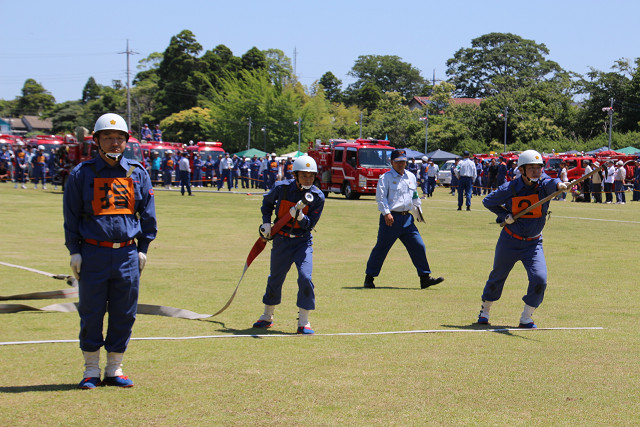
[(76, 263), (295, 212)]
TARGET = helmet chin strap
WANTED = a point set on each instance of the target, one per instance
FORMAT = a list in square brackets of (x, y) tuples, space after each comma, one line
[(300, 186), (113, 156)]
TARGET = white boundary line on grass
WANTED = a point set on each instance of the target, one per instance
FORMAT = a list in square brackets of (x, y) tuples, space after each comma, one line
[(596, 219), (425, 331)]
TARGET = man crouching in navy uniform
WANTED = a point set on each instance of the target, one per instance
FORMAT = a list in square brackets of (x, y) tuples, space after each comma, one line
[(108, 204), (520, 239), (293, 243)]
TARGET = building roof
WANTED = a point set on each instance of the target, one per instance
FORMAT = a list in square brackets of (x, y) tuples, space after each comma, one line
[(36, 123), (16, 124)]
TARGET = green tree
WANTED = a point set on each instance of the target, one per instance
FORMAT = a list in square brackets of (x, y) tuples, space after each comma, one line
[(254, 59), (35, 99), (143, 92), (332, 86), (188, 125), (91, 90), (218, 63), (252, 95), (388, 73), (392, 118), (621, 84), (368, 96), (499, 62), (7, 107), (111, 100), (67, 116), (279, 66), (343, 122), (179, 84)]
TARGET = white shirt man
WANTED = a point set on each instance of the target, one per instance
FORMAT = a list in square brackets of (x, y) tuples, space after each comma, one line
[(183, 165)]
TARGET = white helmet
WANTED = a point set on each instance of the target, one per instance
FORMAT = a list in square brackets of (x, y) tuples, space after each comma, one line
[(273, 154), (530, 157), (111, 121), (425, 159), (305, 164), (40, 147)]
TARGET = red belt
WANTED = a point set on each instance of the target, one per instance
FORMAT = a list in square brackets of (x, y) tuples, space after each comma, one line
[(515, 236), (113, 245), (400, 212), (293, 236)]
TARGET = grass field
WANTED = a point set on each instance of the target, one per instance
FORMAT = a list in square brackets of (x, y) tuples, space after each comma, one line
[(469, 377)]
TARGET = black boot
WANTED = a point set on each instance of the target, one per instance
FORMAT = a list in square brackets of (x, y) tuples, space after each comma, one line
[(368, 282), (427, 280)]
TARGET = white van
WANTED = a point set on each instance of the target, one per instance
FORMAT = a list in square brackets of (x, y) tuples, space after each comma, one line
[(444, 175)]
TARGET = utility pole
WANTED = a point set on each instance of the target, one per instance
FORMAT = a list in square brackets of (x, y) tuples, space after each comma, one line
[(360, 122), (249, 139), (425, 119), (129, 53), (295, 63), (264, 132), (506, 114), (609, 111), (299, 123)]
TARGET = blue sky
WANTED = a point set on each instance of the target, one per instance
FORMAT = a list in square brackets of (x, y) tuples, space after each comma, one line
[(61, 44)]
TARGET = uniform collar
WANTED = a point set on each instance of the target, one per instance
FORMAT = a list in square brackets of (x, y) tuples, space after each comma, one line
[(396, 174)]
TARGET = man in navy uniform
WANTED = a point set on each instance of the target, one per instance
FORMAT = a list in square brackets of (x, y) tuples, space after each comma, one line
[(108, 205), (293, 243), (146, 133), (520, 239), (397, 195)]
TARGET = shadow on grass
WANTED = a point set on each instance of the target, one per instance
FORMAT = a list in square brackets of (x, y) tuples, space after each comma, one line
[(253, 332), (414, 288), (498, 329), (41, 387)]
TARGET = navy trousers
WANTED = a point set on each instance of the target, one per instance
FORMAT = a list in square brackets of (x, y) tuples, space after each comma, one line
[(109, 282), (510, 250), (285, 252), (403, 228), (465, 184)]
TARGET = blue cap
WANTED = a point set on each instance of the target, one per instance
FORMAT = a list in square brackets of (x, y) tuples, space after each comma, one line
[(398, 156)]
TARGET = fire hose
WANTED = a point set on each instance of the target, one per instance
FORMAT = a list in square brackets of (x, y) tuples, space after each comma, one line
[(158, 310)]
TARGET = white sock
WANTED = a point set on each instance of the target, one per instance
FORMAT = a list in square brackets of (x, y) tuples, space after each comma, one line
[(91, 364), (114, 364), (268, 312), (486, 306), (303, 317), (525, 317)]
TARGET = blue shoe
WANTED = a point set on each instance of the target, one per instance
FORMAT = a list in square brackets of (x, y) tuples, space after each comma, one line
[(305, 330), (119, 381), (483, 320), (89, 383), (263, 324), (529, 325)]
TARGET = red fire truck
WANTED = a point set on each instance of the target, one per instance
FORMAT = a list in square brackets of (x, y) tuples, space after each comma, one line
[(205, 149), (70, 152), (575, 164), (351, 167)]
